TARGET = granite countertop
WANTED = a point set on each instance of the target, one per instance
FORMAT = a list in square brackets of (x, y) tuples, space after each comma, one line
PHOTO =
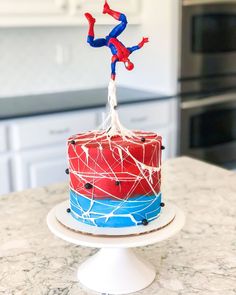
[(201, 259), (32, 105)]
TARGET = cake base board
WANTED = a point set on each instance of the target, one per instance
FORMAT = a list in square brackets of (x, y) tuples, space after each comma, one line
[(166, 216)]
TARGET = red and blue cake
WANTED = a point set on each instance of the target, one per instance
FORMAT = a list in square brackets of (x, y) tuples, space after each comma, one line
[(114, 180), (115, 173)]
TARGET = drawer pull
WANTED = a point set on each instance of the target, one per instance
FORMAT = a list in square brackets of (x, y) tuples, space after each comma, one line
[(59, 131), (140, 119), (62, 4)]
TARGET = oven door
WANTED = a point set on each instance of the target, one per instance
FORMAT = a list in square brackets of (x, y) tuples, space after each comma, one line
[(208, 128), (208, 38)]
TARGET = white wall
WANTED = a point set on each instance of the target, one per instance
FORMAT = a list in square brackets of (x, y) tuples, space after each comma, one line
[(27, 61), (157, 66), (27, 56)]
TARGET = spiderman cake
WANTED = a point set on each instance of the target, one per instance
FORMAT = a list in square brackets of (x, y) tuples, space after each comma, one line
[(115, 173), (115, 182)]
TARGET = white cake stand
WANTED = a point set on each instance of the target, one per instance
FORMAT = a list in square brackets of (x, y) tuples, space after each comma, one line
[(115, 268)]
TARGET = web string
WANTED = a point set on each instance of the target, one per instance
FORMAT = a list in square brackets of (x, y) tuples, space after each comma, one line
[(110, 128)]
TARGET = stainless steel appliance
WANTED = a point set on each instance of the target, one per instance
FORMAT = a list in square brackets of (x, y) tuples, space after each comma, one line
[(209, 127), (207, 80), (208, 55)]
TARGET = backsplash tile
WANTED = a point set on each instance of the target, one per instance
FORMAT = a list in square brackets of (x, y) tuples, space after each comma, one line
[(28, 61)]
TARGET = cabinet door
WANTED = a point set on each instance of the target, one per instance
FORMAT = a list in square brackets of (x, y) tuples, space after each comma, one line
[(4, 175), (3, 140), (31, 7), (40, 167), (166, 142), (145, 115), (130, 7), (159, 117)]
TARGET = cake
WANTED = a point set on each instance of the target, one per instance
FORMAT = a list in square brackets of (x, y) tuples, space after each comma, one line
[(115, 173), (115, 180)]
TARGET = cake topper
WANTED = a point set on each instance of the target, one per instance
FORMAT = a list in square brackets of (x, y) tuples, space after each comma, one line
[(120, 53)]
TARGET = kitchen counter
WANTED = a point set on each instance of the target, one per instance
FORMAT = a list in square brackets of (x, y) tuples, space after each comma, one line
[(201, 259), (23, 106)]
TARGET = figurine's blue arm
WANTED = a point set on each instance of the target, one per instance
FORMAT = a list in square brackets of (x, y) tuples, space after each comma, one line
[(133, 48), (139, 46), (114, 60)]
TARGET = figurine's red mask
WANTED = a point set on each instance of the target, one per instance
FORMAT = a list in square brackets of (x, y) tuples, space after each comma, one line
[(129, 65)]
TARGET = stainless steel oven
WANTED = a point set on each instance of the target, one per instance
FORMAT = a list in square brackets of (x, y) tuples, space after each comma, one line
[(208, 55), (209, 128)]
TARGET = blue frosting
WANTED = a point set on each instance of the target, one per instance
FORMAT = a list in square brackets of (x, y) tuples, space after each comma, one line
[(114, 213)]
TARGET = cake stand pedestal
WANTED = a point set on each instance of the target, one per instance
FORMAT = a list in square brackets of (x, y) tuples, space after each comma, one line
[(116, 268)]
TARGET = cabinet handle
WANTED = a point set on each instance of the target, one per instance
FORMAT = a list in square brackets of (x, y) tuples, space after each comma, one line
[(206, 2), (75, 6), (59, 131), (61, 3), (139, 119), (209, 101)]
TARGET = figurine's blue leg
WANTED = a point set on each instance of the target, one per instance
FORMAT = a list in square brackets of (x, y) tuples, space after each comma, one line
[(119, 28), (90, 39), (97, 42)]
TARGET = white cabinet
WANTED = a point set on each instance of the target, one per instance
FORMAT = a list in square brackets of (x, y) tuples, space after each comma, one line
[(3, 139), (4, 163), (33, 150), (130, 7), (32, 7), (146, 114), (160, 117), (166, 142), (39, 147), (49, 129), (4, 175), (35, 168), (14, 13)]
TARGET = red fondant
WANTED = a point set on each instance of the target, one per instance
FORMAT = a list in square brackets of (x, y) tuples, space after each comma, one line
[(97, 160)]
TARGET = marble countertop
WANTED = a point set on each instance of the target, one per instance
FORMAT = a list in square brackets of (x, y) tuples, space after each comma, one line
[(201, 259)]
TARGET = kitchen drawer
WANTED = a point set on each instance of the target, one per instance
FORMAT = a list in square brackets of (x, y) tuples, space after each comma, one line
[(140, 116), (49, 129), (3, 139)]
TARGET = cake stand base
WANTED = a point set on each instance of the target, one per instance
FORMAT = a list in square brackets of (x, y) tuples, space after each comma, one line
[(116, 269)]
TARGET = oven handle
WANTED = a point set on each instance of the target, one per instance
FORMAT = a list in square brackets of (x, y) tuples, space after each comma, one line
[(214, 100), (205, 2)]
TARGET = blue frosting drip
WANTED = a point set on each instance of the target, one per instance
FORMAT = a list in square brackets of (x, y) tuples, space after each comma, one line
[(114, 213)]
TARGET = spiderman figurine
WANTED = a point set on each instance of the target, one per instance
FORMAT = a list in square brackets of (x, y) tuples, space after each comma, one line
[(120, 53)]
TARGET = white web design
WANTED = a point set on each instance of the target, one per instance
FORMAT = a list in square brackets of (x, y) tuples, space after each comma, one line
[(111, 128)]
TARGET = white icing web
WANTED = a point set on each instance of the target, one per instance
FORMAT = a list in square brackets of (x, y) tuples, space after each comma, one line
[(121, 149)]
